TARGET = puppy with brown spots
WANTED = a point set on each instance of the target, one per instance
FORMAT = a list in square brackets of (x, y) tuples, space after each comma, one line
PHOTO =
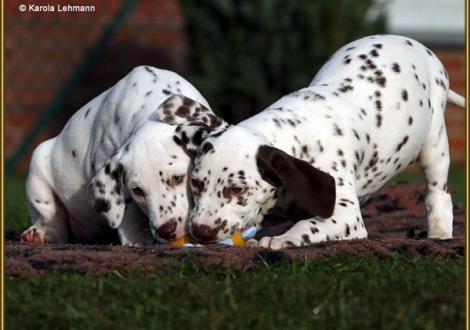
[(115, 165), (376, 106)]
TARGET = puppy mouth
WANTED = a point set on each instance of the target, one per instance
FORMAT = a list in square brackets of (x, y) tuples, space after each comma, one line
[(163, 240)]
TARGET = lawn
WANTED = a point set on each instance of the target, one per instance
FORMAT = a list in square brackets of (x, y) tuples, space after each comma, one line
[(336, 292)]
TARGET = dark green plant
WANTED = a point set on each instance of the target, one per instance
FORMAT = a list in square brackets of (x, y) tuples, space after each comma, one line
[(244, 55)]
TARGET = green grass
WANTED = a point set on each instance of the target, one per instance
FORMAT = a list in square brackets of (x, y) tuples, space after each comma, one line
[(336, 292), (16, 209)]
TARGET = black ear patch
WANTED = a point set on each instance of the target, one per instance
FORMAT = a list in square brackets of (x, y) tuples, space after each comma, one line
[(194, 121), (314, 190)]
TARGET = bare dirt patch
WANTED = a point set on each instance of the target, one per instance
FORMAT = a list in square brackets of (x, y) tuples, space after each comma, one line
[(395, 219)]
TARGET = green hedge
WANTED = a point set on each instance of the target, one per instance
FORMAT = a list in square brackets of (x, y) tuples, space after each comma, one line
[(244, 55)]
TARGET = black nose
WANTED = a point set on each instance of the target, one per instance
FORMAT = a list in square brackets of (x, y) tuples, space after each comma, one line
[(167, 230), (205, 233)]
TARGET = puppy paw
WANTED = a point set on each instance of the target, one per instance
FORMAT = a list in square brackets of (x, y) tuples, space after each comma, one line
[(277, 242), (33, 235), (252, 243)]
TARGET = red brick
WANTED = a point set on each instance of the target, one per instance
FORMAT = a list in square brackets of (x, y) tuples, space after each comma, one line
[(42, 50)]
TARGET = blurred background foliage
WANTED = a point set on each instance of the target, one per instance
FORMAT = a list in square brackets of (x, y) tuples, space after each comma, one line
[(241, 55), (244, 55)]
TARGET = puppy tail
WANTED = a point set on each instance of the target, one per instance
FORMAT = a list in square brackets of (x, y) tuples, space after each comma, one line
[(456, 99)]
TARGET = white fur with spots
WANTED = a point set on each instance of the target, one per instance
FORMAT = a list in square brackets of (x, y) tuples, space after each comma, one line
[(376, 106), (115, 164)]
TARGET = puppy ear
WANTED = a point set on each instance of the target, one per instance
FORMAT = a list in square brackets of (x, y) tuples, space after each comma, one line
[(313, 189), (194, 121), (190, 137), (105, 191)]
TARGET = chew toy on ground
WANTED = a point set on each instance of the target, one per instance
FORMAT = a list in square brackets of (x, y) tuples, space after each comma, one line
[(239, 238)]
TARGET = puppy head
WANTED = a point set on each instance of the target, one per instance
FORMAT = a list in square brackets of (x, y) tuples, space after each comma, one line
[(235, 178), (150, 169), (236, 174)]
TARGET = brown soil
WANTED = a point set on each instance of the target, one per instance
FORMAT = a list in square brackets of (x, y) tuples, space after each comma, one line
[(395, 219)]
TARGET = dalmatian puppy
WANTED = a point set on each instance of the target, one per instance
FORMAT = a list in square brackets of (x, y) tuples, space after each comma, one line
[(376, 106), (115, 165)]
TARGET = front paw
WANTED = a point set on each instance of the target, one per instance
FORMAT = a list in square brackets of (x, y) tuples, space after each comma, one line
[(132, 244), (252, 243), (33, 235), (277, 242)]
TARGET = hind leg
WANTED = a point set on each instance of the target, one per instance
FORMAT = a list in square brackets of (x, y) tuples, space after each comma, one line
[(434, 160), (48, 215)]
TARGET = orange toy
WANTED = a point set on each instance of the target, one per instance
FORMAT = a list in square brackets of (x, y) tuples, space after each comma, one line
[(180, 242), (237, 239)]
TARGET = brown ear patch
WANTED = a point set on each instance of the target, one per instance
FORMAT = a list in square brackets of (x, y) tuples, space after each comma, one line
[(314, 190), (179, 109)]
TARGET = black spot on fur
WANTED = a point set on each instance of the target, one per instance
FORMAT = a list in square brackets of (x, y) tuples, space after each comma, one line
[(74, 153), (306, 239), (107, 169), (404, 95), (197, 138), (207, 147), (381, 81), (356, 134), (379, 119), (374, 53), (378, 105), (102, 205), (87, 112), (338, 131), (117, 172), (396, 67), (344, 89), (402, 143), (178, 140)]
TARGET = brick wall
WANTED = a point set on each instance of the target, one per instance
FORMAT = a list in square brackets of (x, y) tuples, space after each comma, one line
[(454, 61), (42, 50)]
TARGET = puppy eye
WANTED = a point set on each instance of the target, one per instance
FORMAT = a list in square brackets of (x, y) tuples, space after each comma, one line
[(137, 191), (177, 179)]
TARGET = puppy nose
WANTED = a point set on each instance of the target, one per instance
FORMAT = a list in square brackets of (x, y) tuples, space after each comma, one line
[(167, 230), (205, 233)]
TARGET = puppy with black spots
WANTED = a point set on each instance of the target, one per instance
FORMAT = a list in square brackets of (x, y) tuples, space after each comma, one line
[(115, 165), (376, 106)]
